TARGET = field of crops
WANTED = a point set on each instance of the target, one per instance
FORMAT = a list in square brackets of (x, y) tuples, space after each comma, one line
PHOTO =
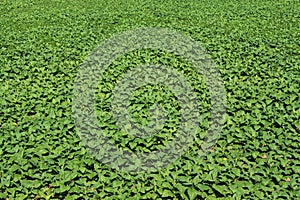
[(255, 46)]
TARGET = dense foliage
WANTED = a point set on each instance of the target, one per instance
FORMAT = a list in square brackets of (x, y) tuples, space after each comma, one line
[(256, 47)]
